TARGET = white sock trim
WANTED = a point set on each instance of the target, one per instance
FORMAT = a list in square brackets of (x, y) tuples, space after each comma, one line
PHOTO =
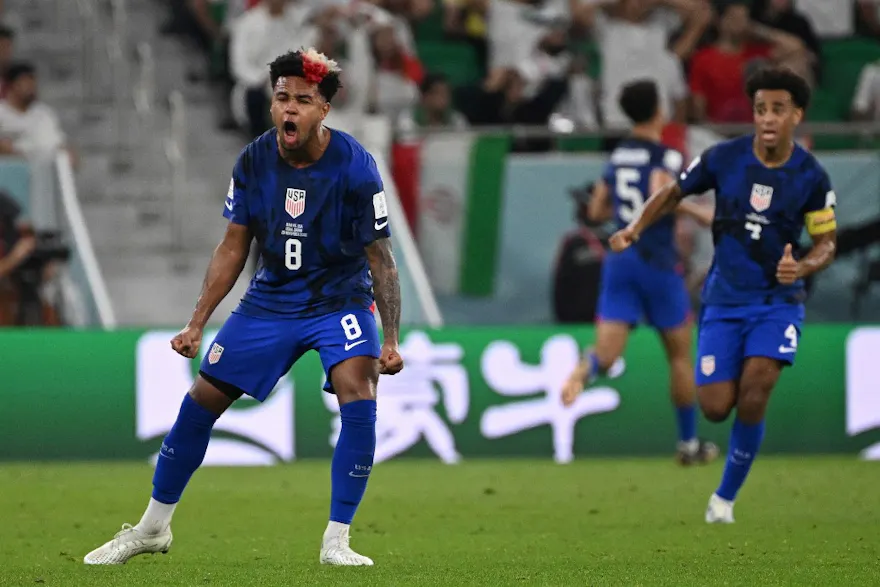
[(156, 518)]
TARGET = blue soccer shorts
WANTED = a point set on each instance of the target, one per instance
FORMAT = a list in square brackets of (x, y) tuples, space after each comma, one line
[(632, 291), (730, 334), (253, 353)]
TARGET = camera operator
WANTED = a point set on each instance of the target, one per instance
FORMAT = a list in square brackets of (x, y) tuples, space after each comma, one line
[(27, 263)]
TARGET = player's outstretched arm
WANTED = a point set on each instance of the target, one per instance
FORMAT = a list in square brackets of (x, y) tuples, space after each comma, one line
[(226, 265), (662, 202), (703, 214), (386, 289)]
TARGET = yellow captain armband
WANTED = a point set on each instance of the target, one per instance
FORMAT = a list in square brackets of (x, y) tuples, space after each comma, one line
[(820, 221)]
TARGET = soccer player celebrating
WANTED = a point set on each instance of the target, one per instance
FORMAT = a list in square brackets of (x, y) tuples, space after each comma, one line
[(645, 280), (767, 189), (313, 199)]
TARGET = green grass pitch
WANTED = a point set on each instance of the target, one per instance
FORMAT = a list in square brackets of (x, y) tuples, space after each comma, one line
[(810, 521)]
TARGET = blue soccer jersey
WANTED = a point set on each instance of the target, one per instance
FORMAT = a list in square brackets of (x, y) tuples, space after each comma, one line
[(311, 225), (644, 281), (313, 288), (628, 177), (758, 211)]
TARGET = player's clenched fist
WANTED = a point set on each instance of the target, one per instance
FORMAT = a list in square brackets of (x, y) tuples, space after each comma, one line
[(622, 239), (787, 269), (390, 362), (187, 341)]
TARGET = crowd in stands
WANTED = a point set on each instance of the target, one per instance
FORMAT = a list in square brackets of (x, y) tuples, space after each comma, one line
[(537, 60), (29, 130)]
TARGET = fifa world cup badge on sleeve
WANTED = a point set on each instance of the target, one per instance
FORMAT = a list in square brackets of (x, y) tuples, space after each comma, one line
[(380, 208)]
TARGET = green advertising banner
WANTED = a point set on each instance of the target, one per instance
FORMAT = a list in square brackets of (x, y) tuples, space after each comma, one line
[(465, 393)]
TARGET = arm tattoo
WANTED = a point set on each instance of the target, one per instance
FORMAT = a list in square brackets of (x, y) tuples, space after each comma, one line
[(386, 286)]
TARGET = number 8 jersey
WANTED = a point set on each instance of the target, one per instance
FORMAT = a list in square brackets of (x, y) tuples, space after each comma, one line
[(628, 177), (311, 224)]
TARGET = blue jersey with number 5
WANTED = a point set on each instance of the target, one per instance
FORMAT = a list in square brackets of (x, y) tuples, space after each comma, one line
[(311, 224), (628, 177), (758, 210)]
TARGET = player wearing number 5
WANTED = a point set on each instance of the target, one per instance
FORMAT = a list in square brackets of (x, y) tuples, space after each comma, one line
[(646, 281), (313, 199), (767, 189)]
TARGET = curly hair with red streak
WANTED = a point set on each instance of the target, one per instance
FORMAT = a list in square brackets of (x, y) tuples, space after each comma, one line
[(312, 66)]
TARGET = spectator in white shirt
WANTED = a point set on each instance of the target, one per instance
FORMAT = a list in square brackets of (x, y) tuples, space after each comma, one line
[(261, 34), (866, 101), (27, 126)]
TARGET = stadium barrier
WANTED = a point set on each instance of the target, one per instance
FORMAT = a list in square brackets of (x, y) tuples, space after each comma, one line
[(489, 220), (465, 393)]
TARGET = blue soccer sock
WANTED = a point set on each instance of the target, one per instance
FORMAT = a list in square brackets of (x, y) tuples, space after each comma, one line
[(745, 440), (182, 450), (352, 459), (686, 416), (595, 370)]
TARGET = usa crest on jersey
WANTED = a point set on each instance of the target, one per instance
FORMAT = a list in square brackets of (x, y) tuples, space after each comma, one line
[(761, 197), (295, 203), (214, 355)]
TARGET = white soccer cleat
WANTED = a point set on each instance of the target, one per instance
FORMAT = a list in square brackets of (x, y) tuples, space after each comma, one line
[(127, 543), (336, 551), (719, 511)]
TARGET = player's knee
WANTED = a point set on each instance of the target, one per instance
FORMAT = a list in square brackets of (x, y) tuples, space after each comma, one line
[(752, 402), (715, 412), (352, 393), (716, 404)]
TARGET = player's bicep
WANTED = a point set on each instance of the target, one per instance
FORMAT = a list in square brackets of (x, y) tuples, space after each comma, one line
[(380, 255), (237, 239)]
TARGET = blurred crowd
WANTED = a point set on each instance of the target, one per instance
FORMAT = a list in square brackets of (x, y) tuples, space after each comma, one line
[(29, 130), (558, 62)]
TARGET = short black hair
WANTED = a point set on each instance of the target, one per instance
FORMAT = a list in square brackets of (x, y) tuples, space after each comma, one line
[(293, 64), (6, 32), (18, 69), (431, 80), (639, 100), (780, 78)]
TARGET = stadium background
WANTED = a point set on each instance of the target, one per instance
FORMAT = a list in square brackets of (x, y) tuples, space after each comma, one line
[(146, 103)]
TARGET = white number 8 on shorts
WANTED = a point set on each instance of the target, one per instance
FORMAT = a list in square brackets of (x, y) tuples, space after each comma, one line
[(351, 327)]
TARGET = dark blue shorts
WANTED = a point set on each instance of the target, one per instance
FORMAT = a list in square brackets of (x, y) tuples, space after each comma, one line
[(632, 291), (730, 334), (254, 353)]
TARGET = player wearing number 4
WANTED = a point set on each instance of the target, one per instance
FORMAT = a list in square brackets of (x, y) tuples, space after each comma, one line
[(767, 189), (646, 281), (313, 199)]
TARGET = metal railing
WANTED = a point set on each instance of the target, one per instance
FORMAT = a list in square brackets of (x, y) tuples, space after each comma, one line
[(88, 279), (867, 130), (176, 153)]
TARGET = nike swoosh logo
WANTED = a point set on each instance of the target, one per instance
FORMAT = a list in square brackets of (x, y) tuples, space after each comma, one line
[(379, 226), (351, 345), (351, 474), (229, 205), (786, 349)]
